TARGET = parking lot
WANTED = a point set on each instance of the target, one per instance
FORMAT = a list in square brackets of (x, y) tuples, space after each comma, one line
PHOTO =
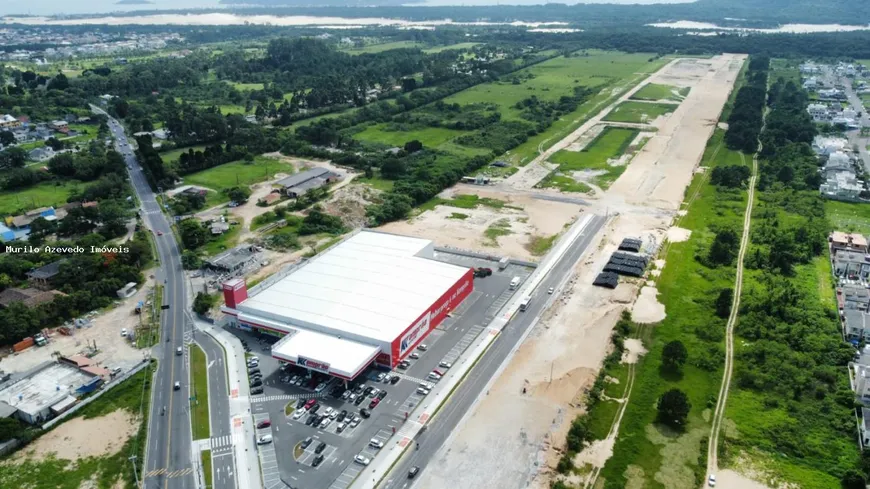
[(345, 423)]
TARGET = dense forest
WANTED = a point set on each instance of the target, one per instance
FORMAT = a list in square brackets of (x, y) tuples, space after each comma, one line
[(745, 121)]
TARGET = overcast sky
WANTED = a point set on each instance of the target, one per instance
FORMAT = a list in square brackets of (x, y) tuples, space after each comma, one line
[(53, 7)]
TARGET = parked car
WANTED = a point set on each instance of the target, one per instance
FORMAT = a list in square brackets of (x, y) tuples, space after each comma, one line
[(328, 411), (374, 392), (306, 442), (265, 439), (367, 391), (253, 370), (394, 379), (320, 447), (434, 376), (299, 413), (256, 390), (310, 403), (256, 383), (381, 377), (359, 389), (300, 403), (340, 427), (352, 397), (342, 415), (445, 364), (414, 355), (355, 421), (264, 424), (364, 413), (422, 391), (382, 395), (403, 365), (320, 387), (422, 347), (361, 459), (317, 461), (346, 395), (325, 423), (124, 332), (311, 419), (413, 472), (374, 403), (359, 400), (375, 443), (299, 381), (712, 480), (313, 409)]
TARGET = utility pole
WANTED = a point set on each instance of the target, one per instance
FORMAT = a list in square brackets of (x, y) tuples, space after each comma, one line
[(132, 460)]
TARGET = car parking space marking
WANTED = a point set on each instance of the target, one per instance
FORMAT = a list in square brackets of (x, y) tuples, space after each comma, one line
[(463, 343), (497, 305), (347, 476)]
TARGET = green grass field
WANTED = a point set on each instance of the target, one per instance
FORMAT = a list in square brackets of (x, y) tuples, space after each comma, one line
[(246, 87), (199, 391), (564, 184), (653, 91), (614, 72), (611, 143), (225, 241), (379, 48), (461, 45), (848, 216), (46, 194), (238, 173), (658, 457), (639, 112)]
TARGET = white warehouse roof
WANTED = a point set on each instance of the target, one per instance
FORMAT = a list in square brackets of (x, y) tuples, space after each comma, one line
[(337, 356), (372, 284)]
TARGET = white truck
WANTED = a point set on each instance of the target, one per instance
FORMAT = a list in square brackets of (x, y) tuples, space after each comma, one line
[(515, 282), (524, 304)]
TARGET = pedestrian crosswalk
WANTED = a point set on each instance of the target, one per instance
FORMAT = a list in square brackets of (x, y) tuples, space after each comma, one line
[(281, 397), (412, 379), (224, 441), (169, 473)]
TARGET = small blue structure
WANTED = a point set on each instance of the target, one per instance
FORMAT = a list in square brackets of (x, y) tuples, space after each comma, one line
[(6, 234)]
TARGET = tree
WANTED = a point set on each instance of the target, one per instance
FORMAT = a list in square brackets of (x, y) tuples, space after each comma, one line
[(723, 302), (9, 429), (673, 408), (674, 356), (7, 138), (203, 302), (724, 247), (190, 260), (238, 195), (59, 82), (409, 84), (413, 146), (193, 235), (54, 143), (13, 157), (853, 479)]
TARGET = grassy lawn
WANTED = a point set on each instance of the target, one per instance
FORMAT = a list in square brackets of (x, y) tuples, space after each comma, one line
[(233, 174), (246, 86), (379, 48), (51, 194), (638, 112), (376, 182), (469, 201), (658, 457), (429, 136), (540, 245), (225, 241), (105, 472), (564, 183), (611, 143), (654, 91), (848, 216), (461, 45), (199, 391), (205, 458)]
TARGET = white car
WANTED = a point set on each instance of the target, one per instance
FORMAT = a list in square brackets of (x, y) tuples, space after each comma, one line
[(381, 377), (355, 422), (414, 355), (550, 290), (375, 443), (422, 347), (422, 390), (333, 414), (320, 387), (325, 423), (265, 439), (299, 413), (329, 411), (434, 376), (346, 395), (124, 332), (374, 392), (712, 480), (362, 460), (445, 364)]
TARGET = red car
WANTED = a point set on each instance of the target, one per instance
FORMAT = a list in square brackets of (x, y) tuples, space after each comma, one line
[(310, 403), (264, 424), (374, 403)]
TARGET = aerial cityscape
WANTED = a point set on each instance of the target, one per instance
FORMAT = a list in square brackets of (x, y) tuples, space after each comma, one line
[(283, 244)]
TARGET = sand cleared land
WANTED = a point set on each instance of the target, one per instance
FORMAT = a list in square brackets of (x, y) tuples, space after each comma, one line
[(81, 438), (507, 440)]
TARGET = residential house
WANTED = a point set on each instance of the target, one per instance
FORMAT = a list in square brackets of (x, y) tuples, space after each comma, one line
[(832, 94), (810, 68), (853, 298), (8, 122), (847, 241), (838, 162), (270, 199), (218, 228), (861, 383), (825, 146), (851, 265), (297, 185), (819, 112), (865, 427), (857, 325), (843, 186), (29, 297), (42, 277), (58, 125), (811, 83), (24, 220), (41, 154)]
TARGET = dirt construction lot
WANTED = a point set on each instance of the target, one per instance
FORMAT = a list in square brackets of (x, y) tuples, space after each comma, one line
[(104, 330), (508, 439)]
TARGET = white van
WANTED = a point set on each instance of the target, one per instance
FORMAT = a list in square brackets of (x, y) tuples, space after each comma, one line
[(515, 282)]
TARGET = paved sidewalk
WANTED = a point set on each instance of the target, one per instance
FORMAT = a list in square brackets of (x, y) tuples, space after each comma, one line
[(245, 452), (424, 412)]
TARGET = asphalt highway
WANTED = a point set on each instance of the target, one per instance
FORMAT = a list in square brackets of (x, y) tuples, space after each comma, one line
[(168, 454), (474, 385), (222, 460)]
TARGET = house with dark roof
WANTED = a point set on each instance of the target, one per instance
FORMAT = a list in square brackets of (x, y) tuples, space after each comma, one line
[(29, 297), (298, 185), (41, 277)]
